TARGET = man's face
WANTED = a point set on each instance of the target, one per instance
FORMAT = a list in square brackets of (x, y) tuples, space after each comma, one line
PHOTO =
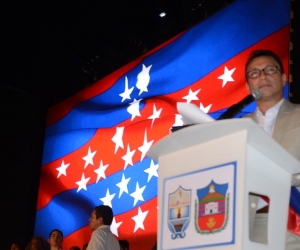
[(55, 239), (271, 86), (94, 223), (14, 247), (35, 244)]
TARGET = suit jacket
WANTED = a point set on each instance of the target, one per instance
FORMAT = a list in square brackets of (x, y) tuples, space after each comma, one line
[(287, 134), (287, 127), (287, 131)]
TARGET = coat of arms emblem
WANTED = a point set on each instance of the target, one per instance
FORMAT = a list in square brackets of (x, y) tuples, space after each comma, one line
[(179, 212), (212, 208)]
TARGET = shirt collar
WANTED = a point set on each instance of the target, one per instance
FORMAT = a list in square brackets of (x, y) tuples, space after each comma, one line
[(274, 110)]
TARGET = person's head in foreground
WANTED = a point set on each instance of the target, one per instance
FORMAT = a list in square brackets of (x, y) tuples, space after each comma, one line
[(102, 215)]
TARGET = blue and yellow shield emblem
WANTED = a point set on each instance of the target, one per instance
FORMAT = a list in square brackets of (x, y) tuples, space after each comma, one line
[(179, 212)]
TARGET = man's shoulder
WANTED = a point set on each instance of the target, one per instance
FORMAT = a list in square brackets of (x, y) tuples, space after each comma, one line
[(296, 106), (289, 106), (101, 233), (104, 234), (102, 228)]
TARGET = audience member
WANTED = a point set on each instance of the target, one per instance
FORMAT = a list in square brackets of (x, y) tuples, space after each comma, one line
[(38, 243), (18, 244), (55, 239), (102, 238)]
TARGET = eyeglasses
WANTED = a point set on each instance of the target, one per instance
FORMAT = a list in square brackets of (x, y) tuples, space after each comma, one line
[(269, 70)]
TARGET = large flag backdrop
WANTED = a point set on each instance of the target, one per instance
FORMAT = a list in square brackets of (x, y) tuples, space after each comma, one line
[(96, 140)]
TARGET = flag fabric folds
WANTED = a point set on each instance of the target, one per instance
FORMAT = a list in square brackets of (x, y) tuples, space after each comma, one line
[(96, 141)]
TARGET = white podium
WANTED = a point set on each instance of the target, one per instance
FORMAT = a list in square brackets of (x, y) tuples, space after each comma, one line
[(206, 173)]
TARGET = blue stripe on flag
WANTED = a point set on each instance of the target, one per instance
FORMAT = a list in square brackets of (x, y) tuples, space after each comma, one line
[(76, 217)]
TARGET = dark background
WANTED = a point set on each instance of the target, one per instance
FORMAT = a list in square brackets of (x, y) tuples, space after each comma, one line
[(52, 50)]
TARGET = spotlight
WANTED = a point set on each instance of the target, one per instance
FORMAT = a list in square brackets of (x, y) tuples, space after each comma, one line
[(162, 14)]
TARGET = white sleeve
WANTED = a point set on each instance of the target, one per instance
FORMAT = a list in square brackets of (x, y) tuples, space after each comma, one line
[(97, 241)]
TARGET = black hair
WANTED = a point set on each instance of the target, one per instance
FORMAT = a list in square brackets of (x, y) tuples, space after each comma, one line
[(56, 230), (44, 243), (258, 53), (124, 244), (106, 213)]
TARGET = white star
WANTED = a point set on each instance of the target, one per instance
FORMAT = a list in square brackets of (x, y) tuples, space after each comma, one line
[(137, 194), (128, 157), (62, 169), (155, 115), (127, 92), (143, 79), (101, 171), (192, 96), (139, 219), (178, 120), (107, 199), (205, 109), (134, 108), (82, 183), (123, 185), (114, 227), (118, 138), (152, 170), (89, 158), (146, 145), (226, 77)]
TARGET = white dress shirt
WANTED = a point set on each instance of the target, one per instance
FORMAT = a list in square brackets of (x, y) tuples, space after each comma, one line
[(103, 239), (267, 121)]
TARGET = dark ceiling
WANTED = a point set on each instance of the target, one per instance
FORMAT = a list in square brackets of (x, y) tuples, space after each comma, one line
[(53, 49)]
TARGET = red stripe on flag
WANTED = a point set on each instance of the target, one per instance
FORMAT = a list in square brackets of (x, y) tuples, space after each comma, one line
[(212, 91), (293, 222), (133, 135)]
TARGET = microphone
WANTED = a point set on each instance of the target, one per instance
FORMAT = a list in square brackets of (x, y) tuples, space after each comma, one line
[(238, 107)]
